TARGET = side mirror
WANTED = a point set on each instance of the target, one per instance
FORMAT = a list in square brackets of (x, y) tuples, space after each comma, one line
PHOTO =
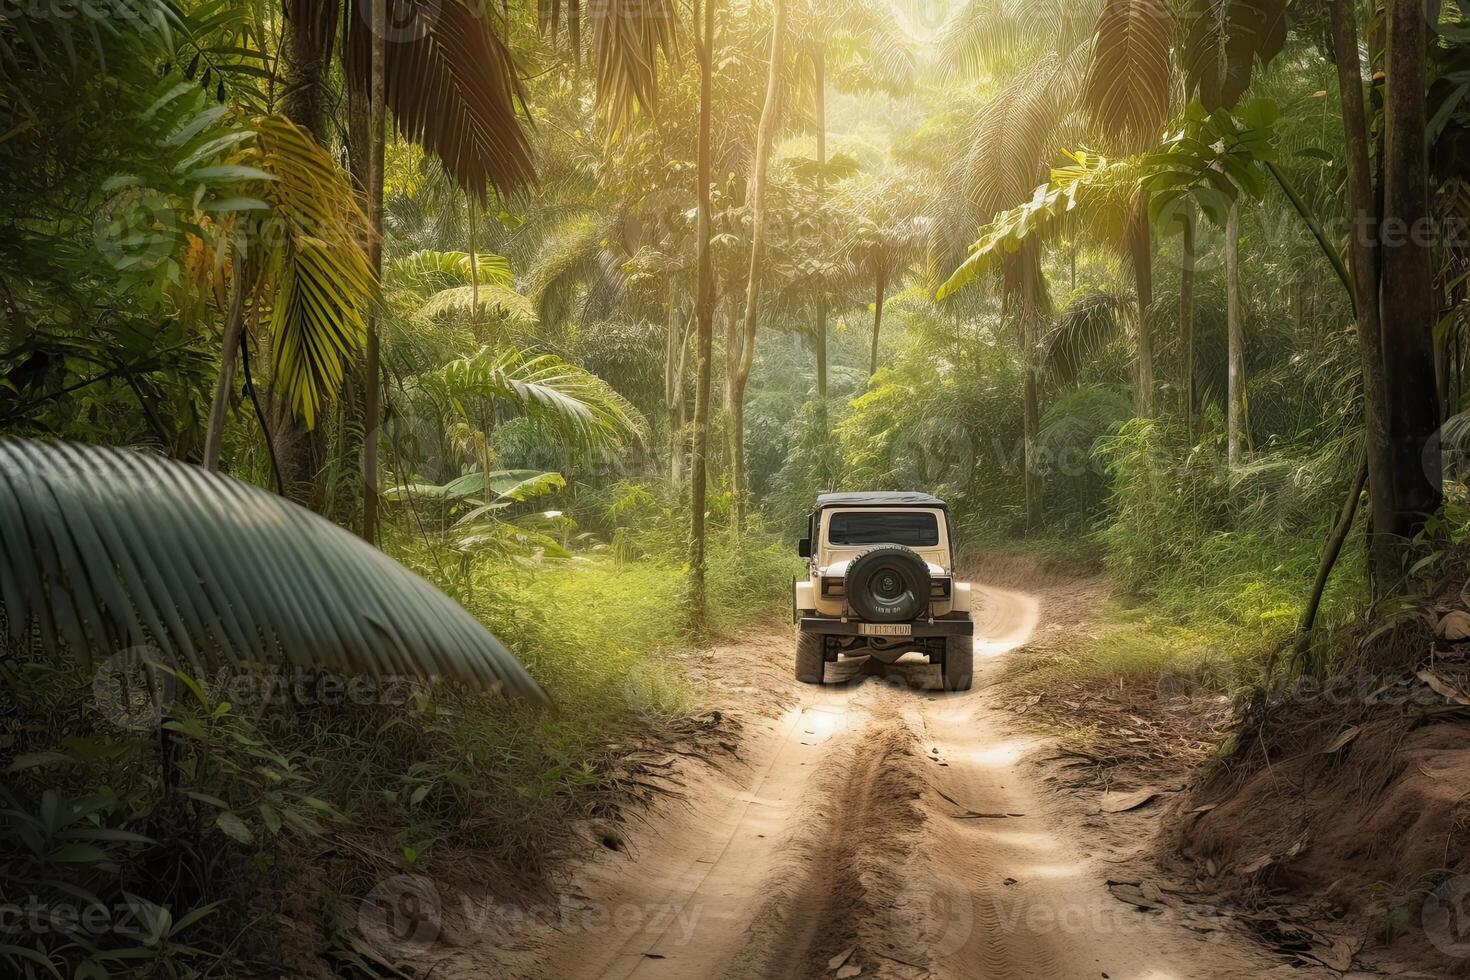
[(804, 548)]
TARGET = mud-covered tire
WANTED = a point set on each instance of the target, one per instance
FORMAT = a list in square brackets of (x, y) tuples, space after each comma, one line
[(810, 662), (959, 662)]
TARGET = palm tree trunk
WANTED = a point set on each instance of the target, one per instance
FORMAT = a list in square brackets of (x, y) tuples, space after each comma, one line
[(224, 385), (1031, 312), (1408, 309), (1186, 319), (877, 319), (372, 391), (1140, 248), (1031, 426), (676, 360), (1363, 253), (819, 67), (704, 312), (1235, 329), (765, 137), (475, 272)]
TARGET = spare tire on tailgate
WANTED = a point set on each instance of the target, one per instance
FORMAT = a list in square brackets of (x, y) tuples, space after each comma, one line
[(889, 584)]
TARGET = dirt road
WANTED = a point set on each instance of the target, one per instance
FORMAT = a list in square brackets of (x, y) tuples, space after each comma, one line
[(871, 829)]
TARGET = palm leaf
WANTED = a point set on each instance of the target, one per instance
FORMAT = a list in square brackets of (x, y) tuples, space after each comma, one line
[(564, 398), (1223, 40), (979, 35), (461, 299), (1091, 177), (627, 37), (1089, 324), (436, 268), (104, 549), (574, 254), (453, 88), (1128, 83), (323, 280)]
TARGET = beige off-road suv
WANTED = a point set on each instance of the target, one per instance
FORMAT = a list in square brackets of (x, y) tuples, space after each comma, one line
[(880, 583)]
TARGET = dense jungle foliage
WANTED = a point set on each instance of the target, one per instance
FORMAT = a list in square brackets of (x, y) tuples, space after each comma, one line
[(573, 311)]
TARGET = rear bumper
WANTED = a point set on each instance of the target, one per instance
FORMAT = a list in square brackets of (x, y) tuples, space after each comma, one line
[(953, 625)]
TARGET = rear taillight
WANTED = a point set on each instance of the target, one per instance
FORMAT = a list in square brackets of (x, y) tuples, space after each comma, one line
[(833, 587), (939, 588)]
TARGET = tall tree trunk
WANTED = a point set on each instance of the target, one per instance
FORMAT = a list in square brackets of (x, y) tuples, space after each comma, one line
[(1407, 285), (704, 312), (372, 392), (1186, 318), (819, 62), (474, 214), (1140, 253), (1235, 329), (676, 361), (1363, 253), (1033, 305), (224, 385), (877, 318), (765, 137)]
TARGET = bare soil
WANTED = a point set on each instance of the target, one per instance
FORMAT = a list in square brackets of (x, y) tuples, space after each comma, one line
[(868, 827)]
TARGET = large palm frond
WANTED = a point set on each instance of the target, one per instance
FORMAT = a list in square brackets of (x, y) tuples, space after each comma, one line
[(573, 255), (437, 269), (494, 298), (1128, 83), (1223, 40), (981, 35), (1091, 181), (317, 263), (880, 54), (1091, 322), (569, 401), (453, 88), (103, 550), (627, 39)]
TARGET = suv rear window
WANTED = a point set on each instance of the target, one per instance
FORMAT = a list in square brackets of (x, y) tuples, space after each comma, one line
[(914, 530)]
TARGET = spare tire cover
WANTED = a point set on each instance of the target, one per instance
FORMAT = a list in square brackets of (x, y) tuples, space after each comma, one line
[(889, 584)]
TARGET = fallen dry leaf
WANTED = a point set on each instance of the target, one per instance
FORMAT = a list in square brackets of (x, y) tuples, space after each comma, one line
[(1132, 894), (850, 970), (1442, 687), (1454, 625), (1259, 864), (1122, 802), (1342, 740), (1337, 956), (841, 958)]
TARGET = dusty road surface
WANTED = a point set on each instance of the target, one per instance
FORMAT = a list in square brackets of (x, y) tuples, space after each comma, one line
[(871, 828)]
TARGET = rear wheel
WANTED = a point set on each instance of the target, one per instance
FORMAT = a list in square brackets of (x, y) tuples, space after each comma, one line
[(959, 662), (809, 659)]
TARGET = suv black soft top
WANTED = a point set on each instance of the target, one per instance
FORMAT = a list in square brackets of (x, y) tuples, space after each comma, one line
[(881, 498)]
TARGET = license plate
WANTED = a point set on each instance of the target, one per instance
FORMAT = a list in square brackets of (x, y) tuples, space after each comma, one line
[(885, 629)]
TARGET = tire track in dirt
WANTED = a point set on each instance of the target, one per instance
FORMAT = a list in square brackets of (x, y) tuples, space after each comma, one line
[(859, 828)]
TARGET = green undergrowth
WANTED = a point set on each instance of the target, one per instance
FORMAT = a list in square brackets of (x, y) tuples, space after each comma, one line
[(243, 801)]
